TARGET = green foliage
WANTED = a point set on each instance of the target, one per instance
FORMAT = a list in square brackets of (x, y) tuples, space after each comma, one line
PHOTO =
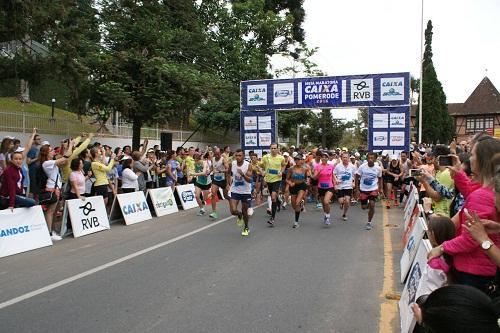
[(437, 124), (324, 130)]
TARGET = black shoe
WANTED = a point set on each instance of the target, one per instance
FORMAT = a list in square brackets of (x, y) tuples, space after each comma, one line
[(271, 222)]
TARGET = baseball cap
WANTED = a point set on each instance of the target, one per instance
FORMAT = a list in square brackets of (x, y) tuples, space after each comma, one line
[(385, 153), (125, 157), (19, 150), (294, 154), (45, 143), (286, 154), (394, 157), (356, 154)]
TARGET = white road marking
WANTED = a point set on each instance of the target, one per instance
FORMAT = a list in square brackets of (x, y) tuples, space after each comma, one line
[(108, 265)]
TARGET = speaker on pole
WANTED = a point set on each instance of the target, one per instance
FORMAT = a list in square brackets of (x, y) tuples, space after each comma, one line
[(166, 141)]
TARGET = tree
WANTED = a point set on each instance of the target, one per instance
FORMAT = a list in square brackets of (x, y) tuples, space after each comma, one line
[(437, 124), (324, 130)]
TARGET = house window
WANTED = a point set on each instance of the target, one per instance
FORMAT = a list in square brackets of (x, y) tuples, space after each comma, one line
[(478, 124)]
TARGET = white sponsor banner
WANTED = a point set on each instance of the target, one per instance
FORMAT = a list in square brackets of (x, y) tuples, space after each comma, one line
[(361, 90), (397, 120), (250, 123), (379, 139), (265, 139), (250, 139), (416, 235), (392, 89), (132, 207), (411, 201), (408, 297), (283, 93), (380, 120), (163, 201), (265, 123), (257, 94), (23, 230), (397, 139), (186, 195), (87, 216)]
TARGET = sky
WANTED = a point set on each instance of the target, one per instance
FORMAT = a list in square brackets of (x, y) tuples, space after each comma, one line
[(383, 36)]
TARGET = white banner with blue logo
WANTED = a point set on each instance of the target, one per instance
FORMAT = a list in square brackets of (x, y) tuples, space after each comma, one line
[(22, 230), (187, 196), (257, 131), (326, 92), (131, 207), (389, 128), (87, 216)]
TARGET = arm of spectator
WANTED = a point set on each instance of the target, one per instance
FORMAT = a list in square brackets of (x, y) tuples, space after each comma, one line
[(144, 147), (462, 183), (11, 187), (102, 167), (168, 170), (28, 144), (78, 150), (477, 231), (60, 161), (141, 167)]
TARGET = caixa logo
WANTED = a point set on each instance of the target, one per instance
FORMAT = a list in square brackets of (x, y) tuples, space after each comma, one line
[(135, 208), (14, 231), (187, 196)]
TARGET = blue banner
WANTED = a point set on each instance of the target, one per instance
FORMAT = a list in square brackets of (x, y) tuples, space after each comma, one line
[(324, 92), (258, 129), (389, 128)]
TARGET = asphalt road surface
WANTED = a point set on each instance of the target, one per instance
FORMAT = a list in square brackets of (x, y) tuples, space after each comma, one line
[(194, 275)]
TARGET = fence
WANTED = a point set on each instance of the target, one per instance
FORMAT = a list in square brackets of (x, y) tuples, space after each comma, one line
[(25, 122)]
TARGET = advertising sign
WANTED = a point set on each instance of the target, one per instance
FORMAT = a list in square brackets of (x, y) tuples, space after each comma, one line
[(408, 297), (163, 201), (326, 92), (131, 207), (87, 216), (416, 235), (259, 137), (23, 230), (389, 128), (186, 195)]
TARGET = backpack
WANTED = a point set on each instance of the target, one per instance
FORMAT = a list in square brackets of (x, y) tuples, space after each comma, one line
[(40, 179)]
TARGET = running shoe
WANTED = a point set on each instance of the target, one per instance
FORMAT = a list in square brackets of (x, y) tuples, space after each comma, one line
[(295, 225), (239, 221), (284, 205), (326, 221), (369, 226), (55, 237), (245, 232), (319, 205), (271, 222), (250, 211), (344, 217), (201, 212), (213, 215)]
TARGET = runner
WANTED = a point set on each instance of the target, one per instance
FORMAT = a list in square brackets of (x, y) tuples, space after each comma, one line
[(202, 183), (345, 173), (314, 182), (273, 165), (220, 168), (241, 190), (296, 180), (393, 176), (369, 182), (326, 181), (256, 178), (285, 191)]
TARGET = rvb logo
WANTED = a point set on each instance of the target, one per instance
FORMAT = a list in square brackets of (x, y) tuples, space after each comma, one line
[(89, 222), (257, 94), (361, 90), (187, 196)]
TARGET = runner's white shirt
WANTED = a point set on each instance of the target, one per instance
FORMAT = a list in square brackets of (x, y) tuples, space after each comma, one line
[(344, 175), (369, 177), (240, 185)]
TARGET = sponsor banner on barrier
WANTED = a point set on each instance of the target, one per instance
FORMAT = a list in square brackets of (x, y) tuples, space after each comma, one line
[(417, 212), (87, 217), (186, 195), (409, 295), (411, 201), (23, 230), (416, 235), (131, 207), (163, 201)]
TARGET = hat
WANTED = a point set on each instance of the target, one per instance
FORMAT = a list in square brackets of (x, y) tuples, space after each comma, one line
[(394, 157), (294, 154), (323, 153), (385, 153), (356, 154), (125, 157), (151, 150), (351, 157), (286, 154), (292, 147), (19, 150), (9, 137), (298, 157), (45, 143), (344, 149)]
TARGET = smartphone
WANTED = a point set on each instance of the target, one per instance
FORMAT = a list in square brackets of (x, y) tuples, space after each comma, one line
[(415, 172), (445, 161)]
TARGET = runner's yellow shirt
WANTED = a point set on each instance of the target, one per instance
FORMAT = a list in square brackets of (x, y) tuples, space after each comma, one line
[(272, 167)]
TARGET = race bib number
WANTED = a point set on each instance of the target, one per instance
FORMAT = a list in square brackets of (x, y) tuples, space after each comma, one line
[(368, 182), (345, 177), (218, 177), (273, 172), (239, 183), (324, 185)]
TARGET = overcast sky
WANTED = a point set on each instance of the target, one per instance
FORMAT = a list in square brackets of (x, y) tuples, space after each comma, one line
[(382, 36)]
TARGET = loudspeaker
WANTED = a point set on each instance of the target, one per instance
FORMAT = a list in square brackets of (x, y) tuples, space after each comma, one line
[(166, 141)]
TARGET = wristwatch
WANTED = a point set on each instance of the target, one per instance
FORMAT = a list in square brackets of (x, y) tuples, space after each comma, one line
[(486, 245)]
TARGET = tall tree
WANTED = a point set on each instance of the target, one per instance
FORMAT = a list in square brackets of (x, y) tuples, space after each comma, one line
[(437, 124), (325, 130)]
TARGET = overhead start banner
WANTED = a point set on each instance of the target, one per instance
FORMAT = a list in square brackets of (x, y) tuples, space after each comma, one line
[(326, 92), (258, 131), (389, 128)]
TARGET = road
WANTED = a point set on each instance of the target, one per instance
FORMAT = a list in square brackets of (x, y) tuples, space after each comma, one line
[(194, 275)]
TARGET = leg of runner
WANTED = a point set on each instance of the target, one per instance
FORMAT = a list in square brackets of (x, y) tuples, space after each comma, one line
[(215, 192), (371, 212), (200, 202), (244, 208), (388, 195), (347, 200), (273, 191), (326, 206), (233, 205), (298, 202)]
